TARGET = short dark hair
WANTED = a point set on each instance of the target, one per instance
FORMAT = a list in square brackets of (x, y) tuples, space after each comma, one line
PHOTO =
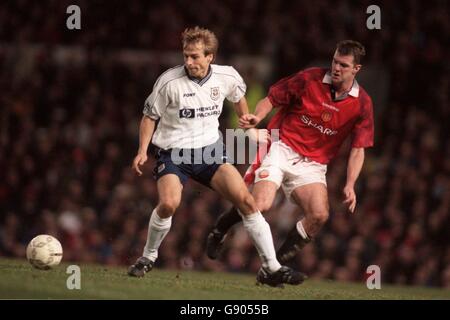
[(351, 47)]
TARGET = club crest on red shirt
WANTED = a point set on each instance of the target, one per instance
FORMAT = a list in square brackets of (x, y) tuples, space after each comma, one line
[(326, 116)]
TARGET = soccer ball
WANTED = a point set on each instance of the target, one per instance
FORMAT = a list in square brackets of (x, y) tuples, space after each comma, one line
[(44, 252)]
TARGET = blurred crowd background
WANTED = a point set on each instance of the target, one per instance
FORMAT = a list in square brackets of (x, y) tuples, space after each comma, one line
[(71, 102)]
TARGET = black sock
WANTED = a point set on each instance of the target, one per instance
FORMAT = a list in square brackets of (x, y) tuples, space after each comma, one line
[(227, 219), (294, 243)]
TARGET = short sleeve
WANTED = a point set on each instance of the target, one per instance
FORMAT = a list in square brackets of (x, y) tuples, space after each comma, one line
[(287, 90), (156, 103), (236, 88), (363, 133)]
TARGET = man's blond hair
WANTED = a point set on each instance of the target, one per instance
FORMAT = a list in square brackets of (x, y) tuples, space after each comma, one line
[(197, 34)]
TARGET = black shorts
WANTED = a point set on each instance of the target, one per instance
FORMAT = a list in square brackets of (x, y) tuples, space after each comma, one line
[(199, 164)]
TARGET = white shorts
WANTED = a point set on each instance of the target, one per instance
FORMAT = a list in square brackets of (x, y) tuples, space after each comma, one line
[(288, 169)]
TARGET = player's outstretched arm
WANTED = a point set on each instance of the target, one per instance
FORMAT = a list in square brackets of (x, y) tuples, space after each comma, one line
[(146, 129), (241, 107), (263, 107), (354, 166)]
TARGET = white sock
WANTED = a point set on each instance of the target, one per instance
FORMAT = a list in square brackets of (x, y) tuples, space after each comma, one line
[(301, 230), (157, 230), (259, 231)]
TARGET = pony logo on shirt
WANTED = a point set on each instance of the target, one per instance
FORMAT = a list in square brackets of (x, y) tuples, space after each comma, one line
[(215, 93)]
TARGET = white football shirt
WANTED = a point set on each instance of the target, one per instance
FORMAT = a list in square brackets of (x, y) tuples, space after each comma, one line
[(188, 109)]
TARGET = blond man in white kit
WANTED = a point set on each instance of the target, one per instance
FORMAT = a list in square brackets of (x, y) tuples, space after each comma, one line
[(188, 100)]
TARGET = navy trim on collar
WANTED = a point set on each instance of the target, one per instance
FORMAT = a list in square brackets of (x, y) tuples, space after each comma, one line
[(198, 81)]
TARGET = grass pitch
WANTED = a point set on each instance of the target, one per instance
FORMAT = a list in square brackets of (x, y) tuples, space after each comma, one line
[(18, 280)]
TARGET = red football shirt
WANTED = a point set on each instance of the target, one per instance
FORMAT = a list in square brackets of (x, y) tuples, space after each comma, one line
[(315, 125)]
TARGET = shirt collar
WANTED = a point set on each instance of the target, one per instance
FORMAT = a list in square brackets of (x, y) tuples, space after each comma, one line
[(199, 81), (354, 91)]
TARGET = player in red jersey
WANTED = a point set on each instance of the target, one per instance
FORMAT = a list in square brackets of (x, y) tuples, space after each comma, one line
[(317, 110)]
